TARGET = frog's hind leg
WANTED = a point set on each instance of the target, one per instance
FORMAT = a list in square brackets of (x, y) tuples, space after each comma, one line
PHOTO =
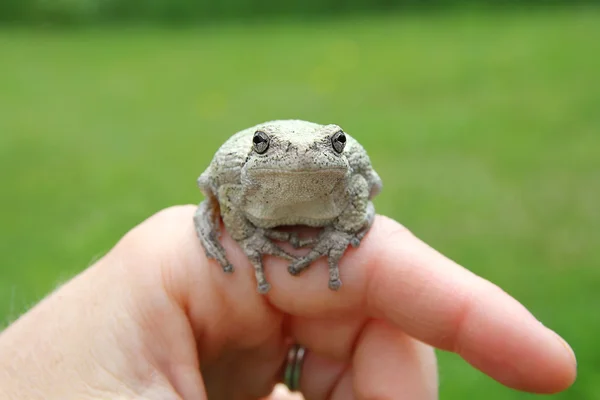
[(349, 229), (332, 243), (370, 217), (255, 245), (254, 241), (206, 222)]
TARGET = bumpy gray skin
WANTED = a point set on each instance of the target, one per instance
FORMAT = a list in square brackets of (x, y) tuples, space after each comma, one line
[(299, 180)]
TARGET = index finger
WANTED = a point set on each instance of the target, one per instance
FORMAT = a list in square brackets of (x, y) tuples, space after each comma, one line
[(395, 276)]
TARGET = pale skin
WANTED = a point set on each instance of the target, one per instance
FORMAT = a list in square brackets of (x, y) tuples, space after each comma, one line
[(156, 319)]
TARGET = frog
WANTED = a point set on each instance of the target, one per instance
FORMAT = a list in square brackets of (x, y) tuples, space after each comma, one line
[(287, 173)]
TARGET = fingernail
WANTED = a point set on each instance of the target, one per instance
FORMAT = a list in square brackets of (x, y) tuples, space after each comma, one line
[(566, 346), (281, 392)]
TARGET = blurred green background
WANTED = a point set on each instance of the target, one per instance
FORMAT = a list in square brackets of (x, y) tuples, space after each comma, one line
[(483, 123)]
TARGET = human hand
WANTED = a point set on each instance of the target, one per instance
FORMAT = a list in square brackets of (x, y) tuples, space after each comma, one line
[(155, 319)]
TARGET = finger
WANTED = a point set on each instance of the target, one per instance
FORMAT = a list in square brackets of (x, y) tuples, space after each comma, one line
[(389, 364), (333, 338), (320, 375), (344, 389), (222, 307), (385, 361), (395, 276), (435, 300), (234, 335)]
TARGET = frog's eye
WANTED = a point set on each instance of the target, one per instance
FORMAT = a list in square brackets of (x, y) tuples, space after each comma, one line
[(260, 141), (338, 141)]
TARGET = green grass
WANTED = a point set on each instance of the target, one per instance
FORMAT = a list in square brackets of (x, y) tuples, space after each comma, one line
[(485, 129)]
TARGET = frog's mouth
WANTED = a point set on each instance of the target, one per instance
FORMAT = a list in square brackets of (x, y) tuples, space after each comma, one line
[(295, 196), (270, 171)]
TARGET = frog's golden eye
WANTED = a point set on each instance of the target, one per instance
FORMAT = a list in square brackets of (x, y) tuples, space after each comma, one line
[(338, 141), (260, 142)]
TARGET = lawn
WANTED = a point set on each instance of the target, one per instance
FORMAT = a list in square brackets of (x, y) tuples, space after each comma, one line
[(485, 129)]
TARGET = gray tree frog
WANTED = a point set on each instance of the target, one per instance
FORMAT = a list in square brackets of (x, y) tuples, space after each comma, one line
[(287, 173)]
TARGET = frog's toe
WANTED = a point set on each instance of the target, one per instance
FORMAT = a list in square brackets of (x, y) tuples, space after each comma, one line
[(264, 287), (266, 246), (302, 263), (293, 269), (335, 284)]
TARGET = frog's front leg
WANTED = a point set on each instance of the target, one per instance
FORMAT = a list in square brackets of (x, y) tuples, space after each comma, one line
[(254, 241), (349, 229), (206, 222)]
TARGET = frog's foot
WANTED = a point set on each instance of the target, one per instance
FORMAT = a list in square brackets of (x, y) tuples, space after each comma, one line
[(255, 247), (290, 237), (207, 229), (331, 243)]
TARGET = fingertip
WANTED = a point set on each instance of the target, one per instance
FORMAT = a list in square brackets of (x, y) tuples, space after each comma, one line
[(548, 367), (504, 340), (569, 360), (567, 347)]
